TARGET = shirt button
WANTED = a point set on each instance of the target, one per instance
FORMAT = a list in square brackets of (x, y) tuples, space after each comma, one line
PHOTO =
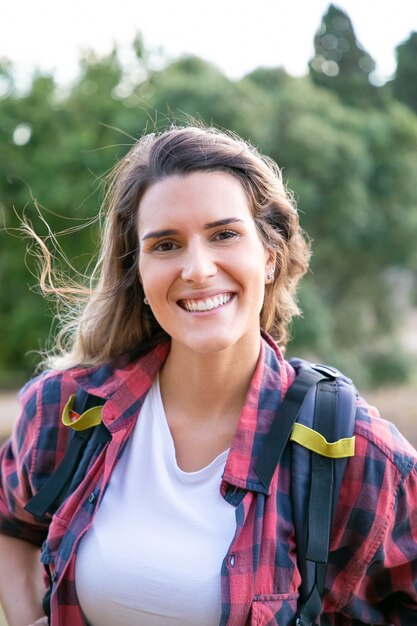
[(232, 560), (92, 497)]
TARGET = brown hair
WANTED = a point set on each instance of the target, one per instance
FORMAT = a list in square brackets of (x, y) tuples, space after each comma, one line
[(112, 318)]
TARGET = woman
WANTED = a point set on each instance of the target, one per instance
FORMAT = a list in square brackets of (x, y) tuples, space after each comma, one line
[(170, 525)]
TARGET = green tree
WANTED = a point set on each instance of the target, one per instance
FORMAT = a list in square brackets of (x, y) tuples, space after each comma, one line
[(56, 147), (340, 63), (356, 201), (191, 88), (404, 84)]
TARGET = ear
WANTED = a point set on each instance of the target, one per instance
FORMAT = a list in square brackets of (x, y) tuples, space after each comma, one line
[(270, 259), (270, 263)]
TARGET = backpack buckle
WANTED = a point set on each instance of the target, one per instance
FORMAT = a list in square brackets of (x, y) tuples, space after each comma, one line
[(330, 372)]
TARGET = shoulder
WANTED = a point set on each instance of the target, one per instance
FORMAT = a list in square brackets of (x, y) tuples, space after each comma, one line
[(380, 439), (381, 474), (32, 452), (47, 387), (39, 434), (45, 394), (383, 466)]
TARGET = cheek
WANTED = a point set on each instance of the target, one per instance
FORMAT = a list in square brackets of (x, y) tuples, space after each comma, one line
[(146, 271), (252, 265), (156, 280)]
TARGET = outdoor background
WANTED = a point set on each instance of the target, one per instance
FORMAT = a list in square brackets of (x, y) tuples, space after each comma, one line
[(344, 132)]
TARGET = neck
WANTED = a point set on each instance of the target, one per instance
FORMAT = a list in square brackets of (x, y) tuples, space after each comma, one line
[(208, 386)]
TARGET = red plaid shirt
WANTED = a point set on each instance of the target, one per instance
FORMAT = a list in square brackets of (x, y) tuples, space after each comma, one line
[(372, 572)]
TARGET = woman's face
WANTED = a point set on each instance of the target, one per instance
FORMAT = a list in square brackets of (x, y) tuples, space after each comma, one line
[(202, 263)]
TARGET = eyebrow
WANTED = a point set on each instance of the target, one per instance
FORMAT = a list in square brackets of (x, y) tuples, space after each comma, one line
[(167, 232)]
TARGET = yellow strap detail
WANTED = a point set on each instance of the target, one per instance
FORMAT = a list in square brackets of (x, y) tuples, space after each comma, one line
[(91, 417), (311, 439)]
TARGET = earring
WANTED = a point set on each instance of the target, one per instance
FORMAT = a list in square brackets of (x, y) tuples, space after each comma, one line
[(270, 276), (146, 301)]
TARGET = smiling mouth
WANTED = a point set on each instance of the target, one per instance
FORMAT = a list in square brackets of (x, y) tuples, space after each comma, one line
[(206, 304)]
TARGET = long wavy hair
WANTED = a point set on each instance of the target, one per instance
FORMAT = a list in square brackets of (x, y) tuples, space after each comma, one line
[(108, 317)]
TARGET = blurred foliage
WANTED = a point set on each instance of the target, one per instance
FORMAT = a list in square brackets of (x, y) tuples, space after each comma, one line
[(340, 63), (404, 85), (353, 175)]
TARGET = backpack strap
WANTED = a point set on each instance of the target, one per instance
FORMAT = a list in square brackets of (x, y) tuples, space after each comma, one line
[(328, 414), (282, 426), (66, 477)]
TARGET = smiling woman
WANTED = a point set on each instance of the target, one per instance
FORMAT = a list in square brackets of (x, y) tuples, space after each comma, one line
[(168, 520), (205, 284)]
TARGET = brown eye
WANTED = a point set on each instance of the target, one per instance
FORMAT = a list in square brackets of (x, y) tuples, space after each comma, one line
[(165, 246), (225, 234)]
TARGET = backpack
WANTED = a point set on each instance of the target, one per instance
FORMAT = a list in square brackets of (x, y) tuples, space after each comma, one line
[(319, 407), (317, 415)]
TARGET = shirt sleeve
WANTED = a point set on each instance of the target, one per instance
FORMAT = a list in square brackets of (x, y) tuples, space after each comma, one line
[(373, 566), (17, 462), (391, 578)]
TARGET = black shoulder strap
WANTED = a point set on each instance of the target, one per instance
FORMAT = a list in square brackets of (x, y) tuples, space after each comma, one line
[(283, 423), (61, 482), (316, 484)]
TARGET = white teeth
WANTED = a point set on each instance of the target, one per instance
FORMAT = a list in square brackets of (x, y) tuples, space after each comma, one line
[(208, 303)]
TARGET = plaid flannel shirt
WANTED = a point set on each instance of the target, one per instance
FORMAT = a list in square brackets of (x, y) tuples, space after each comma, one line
[(372, 572)]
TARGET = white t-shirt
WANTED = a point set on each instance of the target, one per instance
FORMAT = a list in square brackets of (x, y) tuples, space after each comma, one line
[(153, 554)]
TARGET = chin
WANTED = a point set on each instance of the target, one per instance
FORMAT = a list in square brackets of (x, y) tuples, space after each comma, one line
[(215, 343), (210, 346)]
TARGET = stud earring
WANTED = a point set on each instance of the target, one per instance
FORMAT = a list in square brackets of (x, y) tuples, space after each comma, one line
[(270, 277), (146, 301)]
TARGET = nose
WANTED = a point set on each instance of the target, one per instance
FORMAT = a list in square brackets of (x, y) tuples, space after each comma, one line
[(199, 263)]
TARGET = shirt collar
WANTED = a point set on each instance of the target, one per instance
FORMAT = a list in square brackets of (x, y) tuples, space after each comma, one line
[(272, 377), (125, 381), (105, 380)]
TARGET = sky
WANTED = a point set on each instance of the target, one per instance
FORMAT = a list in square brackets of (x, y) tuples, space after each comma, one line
[(236, 35)]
